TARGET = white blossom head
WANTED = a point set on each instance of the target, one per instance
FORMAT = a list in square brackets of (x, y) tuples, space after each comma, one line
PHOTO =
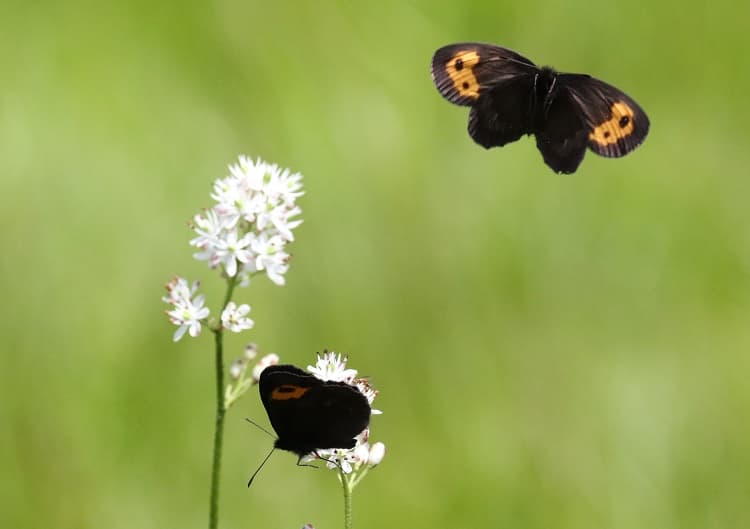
[(332, 366), (353, 462), (247, 229), (234, 318), (187, 312)]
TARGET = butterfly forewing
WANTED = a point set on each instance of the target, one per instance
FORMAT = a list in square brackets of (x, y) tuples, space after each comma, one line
[(281, 388), (463, 72), (615, 123)]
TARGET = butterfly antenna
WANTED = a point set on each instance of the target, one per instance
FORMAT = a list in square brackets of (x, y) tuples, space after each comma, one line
[(250, 481), (259, 427)]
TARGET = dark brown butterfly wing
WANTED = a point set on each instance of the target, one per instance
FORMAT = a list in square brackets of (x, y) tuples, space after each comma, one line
[(615, 124), (463, 72), (308, 413), (504, 113), (281, 388), (496, 82)]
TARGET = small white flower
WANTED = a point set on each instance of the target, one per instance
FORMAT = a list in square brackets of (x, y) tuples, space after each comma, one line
[(288, 186), (251, 350), (233, 317), (230, 200), (270, 256), (278, 217), (335, 458), (237, 368), (377, 453), (362, 452), (179, 291), (187, 313), (270, 359), (231, 249), (332, 366), (209, 229)]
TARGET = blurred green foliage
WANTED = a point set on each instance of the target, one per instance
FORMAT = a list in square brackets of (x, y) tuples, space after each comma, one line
[(552, 351)]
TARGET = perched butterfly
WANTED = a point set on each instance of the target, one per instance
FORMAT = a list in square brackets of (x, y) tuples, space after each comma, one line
[(309, 414), (510, 96)]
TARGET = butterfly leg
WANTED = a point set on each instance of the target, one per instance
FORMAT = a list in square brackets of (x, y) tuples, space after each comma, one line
[(331, 461), (300, 464)]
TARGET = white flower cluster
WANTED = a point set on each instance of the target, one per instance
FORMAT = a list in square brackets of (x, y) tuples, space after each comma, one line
[(188, 312), (246, 231), (355, 461)]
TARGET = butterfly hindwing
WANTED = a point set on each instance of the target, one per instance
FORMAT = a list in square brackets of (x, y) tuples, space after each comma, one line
[(615, 124), (337, 413), (463, 72), (503, 113)]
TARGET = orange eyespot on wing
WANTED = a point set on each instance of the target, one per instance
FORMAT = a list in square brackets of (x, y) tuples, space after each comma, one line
[(460, 69), (618, 126), (454, 76), (463, 72), (288, 391)]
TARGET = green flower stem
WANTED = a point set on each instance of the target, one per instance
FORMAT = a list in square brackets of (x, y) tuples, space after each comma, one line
[(213, 515), (347, 500), (358, 477)]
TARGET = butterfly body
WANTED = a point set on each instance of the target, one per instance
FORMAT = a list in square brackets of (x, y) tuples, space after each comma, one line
[(310, 414), (511, 97)]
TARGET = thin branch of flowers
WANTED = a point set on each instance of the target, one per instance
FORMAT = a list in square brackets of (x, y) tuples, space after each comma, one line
[(242, 235)]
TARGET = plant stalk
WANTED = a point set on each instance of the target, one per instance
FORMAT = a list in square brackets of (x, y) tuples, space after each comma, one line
[(347, 500), (213, 514)]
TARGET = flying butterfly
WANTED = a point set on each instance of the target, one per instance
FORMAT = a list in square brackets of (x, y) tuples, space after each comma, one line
[(510, 96)]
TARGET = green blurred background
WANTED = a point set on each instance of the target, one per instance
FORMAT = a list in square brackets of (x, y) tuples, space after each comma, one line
[(552, 351)]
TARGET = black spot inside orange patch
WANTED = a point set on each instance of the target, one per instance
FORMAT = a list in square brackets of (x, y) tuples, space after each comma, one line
[(619, 125), (460, 69)]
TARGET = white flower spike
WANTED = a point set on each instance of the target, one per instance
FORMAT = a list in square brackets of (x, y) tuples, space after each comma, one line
[(354, 463), (252, 221)]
